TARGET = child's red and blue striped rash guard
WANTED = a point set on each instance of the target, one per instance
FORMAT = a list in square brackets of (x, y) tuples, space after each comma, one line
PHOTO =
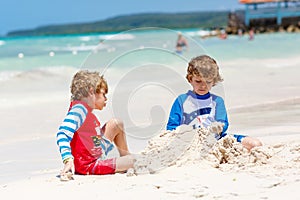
[(79, 137)]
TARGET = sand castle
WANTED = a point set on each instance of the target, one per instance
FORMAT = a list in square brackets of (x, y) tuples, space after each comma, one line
[(198, 146)]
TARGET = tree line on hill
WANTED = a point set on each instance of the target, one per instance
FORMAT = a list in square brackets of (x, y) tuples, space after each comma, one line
[(205, 20)]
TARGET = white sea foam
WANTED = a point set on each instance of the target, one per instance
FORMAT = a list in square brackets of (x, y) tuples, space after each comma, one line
[(2, 42), (41, 72), (281, 63), (58, 70), (76, 48), (201, 33), (117, 37), (85, 38), (294, 61), (7, 75)]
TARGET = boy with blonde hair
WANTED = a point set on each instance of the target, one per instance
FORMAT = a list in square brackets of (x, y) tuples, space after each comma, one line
[(201, 108), (83, 144)]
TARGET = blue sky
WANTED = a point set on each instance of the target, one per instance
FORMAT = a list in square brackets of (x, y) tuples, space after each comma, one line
[(27, 14)]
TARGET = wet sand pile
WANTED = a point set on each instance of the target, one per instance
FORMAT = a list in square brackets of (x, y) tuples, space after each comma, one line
[(198, 146)]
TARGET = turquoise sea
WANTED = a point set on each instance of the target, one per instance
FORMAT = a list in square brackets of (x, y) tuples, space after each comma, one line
[(23, 54)]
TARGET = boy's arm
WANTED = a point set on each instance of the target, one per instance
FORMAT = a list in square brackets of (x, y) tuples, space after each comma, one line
[(221, 113), (175, 115), (73, 120)]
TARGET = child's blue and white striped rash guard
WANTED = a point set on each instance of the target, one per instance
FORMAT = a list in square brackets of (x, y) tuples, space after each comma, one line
[(197, 110), (72, 122)]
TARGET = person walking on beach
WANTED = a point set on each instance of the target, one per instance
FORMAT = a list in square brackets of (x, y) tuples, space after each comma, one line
[(181, 43), (199, 107), (83, 144)]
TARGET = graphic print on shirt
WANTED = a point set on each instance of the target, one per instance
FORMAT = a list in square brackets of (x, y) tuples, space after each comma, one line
[(198, 112), (96, 140), (103, 144)]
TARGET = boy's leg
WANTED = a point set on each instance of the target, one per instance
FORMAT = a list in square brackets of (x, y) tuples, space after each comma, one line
[(124, 163), (114, 131), (249, 142)]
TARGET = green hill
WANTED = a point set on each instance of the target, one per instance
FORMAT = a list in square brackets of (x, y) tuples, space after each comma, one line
[(121, 23)]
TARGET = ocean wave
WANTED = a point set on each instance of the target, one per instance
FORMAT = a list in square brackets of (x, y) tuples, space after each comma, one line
[(201, 33), (117, 37), (2, 42), (85, 38), (270, 105), (7, 75), (120, 36), (76, 48), (293, 61), (41, 72)]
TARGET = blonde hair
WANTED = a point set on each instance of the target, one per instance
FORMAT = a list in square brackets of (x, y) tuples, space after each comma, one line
[(83, 81), (205, 67)]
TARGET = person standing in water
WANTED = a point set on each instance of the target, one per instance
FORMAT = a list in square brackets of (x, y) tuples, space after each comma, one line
[(251, 34), (181, 43)]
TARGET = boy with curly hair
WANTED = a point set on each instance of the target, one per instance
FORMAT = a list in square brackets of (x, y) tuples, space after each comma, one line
[(83, 144), (198, 107)]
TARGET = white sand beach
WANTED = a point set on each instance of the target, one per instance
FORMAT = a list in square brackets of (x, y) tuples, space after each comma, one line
[(263, 101)]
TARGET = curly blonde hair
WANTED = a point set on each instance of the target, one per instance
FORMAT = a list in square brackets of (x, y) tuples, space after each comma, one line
[(83, 81), (204, 66)]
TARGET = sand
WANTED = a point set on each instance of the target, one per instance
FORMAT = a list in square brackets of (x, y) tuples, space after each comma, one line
[(262, 102)]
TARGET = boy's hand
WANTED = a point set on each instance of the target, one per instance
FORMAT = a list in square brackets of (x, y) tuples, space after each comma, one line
[(68, 170), (216, 127)]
